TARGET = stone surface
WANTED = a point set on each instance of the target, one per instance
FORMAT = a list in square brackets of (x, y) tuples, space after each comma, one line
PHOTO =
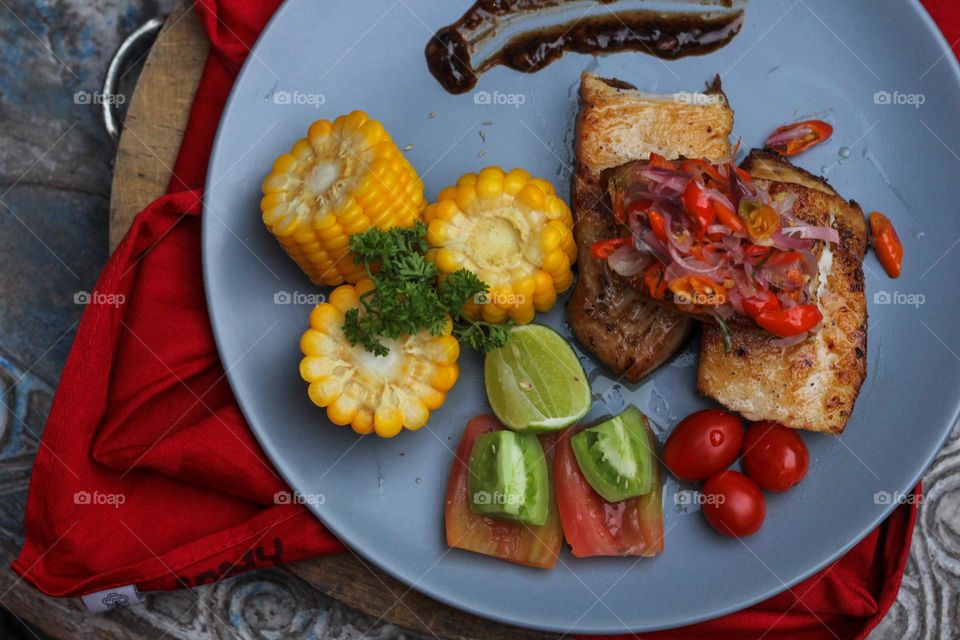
[(55, 171)]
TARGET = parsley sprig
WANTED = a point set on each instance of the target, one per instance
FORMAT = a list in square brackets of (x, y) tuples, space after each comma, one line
[(408, 298)]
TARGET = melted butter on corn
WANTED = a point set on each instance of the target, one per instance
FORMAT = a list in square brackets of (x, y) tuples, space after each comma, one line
[(375, 394), (513, 232), (345, 177)]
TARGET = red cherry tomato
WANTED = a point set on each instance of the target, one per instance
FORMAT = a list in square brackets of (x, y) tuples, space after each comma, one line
[(774, 456), (733, 504), (702, 444)]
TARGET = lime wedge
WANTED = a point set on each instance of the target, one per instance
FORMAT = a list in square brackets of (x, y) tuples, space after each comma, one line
[(535, 382)]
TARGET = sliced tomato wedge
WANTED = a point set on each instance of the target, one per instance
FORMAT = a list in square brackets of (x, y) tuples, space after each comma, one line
[(524, 544), (595, 527)]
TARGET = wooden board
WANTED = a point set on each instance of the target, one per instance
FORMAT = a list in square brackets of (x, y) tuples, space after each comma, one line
[(148, 147)]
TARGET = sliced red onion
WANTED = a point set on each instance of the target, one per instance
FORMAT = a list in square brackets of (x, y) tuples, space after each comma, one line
[(785, 203), (717, 196), (810, 232), (647, 240), (788, 243), (627, 261), (665, 180), (698, 267), (682, 242)]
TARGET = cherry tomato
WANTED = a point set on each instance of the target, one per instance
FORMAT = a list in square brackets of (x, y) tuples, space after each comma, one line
[(791, 139), (774, 456), (702, 444), (763, 302), (787, 323), (658, 225), (733, 504), (698, 206), (602, 249), (886, 243)]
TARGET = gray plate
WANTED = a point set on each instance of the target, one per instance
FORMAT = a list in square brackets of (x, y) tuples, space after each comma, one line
[(855, 63)]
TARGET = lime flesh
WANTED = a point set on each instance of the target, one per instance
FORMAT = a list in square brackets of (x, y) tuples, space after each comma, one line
[(535, 382)]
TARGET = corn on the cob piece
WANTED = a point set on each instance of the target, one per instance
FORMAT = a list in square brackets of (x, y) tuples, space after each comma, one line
[(513, 232), (375, 394), (343, 178)]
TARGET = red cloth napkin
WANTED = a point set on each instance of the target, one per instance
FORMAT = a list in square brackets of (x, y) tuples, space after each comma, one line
[(148, 475)]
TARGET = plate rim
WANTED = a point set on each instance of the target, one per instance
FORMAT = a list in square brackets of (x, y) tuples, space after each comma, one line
[(466, 606)]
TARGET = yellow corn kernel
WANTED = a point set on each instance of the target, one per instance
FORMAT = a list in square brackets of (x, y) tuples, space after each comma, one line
[(532, 196), (342, 298), (512, 232), (437, 233), (446, 260), (522, 315), (444, 377), (415, 413), (370, 393), (344, 178), (387, 421), (342, 410), (326, 318), (515, 180)]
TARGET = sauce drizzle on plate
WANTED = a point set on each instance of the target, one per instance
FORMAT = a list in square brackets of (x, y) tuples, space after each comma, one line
[(669, 35)]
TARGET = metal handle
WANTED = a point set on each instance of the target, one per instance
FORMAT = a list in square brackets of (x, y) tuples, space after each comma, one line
[(134, 42)]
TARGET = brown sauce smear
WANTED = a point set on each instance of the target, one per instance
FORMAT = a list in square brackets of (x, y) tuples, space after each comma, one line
[(665, 35)]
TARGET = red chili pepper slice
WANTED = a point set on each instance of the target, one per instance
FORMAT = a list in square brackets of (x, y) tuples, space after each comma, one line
[(791, 139), (699, 207), (602, 249), (659, 162), (761, 220), (787, 323), (697, 165), (886, 243), (658, 225), (780, 258), (764, 302), (697, 290), (728, 217), (653, 279)]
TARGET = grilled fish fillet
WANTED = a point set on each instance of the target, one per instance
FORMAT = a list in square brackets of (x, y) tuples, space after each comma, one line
[(629, 334), (812, 385)]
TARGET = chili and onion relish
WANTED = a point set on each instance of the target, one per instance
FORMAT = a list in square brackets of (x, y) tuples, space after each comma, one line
[(712, 240)]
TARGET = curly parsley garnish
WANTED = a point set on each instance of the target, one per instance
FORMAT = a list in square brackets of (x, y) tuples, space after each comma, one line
[(408, 298)]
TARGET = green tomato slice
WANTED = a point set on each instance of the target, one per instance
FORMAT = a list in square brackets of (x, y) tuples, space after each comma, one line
[(616, 456), (508, 477)]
